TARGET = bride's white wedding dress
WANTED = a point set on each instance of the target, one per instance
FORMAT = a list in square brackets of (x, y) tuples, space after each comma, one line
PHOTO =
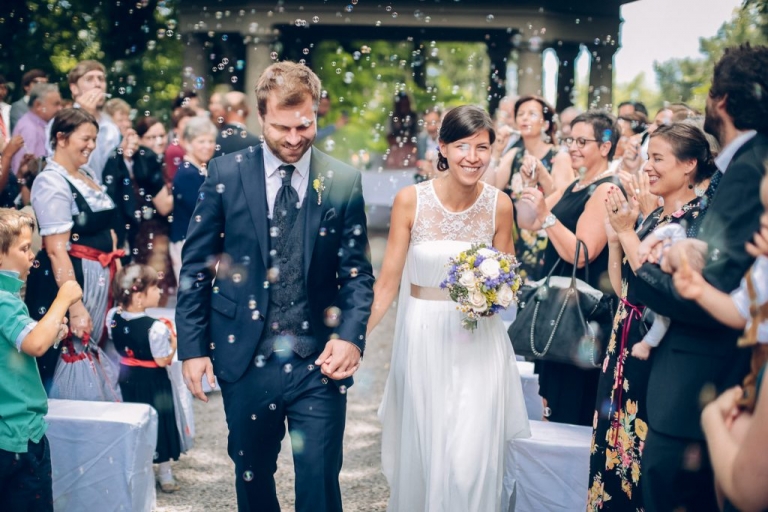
[(453, 396)]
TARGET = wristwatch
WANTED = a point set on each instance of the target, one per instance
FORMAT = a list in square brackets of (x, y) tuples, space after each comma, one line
[(549, 221)]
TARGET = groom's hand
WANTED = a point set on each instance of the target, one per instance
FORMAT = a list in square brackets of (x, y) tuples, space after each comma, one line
[(339, 360), (193, 370)]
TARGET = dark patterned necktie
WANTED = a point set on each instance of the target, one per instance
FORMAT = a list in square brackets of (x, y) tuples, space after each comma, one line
[(714, 181), (286, 203)]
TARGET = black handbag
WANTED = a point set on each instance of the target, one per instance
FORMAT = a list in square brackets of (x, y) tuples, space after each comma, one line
[(563, 319)]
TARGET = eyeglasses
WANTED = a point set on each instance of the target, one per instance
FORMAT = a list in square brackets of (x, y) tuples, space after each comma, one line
[(580, 142)]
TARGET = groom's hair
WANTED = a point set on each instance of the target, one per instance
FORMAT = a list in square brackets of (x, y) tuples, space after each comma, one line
[(291, 82)]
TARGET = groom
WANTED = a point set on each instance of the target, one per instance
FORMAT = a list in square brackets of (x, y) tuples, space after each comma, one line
[(275, 293)]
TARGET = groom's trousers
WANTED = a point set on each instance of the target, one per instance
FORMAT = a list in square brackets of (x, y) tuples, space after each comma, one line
[(257, 405)]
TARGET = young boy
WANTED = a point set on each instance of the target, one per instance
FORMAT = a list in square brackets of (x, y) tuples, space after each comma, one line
[(25, 458)]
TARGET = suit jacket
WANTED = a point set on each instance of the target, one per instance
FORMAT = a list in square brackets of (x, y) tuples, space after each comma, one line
[(233, 230), (234, 141), (698, 356), (18, 109)]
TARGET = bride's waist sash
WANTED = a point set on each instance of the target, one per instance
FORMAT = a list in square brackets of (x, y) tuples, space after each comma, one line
[(428, 293)]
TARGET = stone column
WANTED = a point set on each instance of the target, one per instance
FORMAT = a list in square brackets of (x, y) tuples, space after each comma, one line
[(257, 59), (195, 73), (566, 74), (601, 77), (499, 55), (529, 66)]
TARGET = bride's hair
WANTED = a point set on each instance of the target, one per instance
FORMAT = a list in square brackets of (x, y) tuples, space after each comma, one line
[(460, 123)]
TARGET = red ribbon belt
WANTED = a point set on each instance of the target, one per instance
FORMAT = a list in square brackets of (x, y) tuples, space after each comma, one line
[(634, 312), (132, 361), (105, 259)]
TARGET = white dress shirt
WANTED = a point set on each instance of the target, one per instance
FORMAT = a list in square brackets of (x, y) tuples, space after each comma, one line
[(723, 160), (272, 176)]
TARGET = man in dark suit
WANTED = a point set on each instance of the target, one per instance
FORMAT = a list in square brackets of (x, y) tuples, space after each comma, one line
[(698, 357), (282, 229), (234, 136)]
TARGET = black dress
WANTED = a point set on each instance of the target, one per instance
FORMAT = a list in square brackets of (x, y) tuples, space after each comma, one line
[(621, 417), (147, 385), (570, 390)]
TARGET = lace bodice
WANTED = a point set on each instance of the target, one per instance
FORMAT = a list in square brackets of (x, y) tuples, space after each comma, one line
[(476, 224)]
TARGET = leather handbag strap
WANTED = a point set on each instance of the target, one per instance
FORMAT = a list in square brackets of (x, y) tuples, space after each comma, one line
[(559, 261)]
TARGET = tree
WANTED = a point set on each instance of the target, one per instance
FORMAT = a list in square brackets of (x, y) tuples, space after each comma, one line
[(688, 79), (143, 63)]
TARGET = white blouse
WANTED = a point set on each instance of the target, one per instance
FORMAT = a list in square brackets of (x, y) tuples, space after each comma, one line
[(159, 334), (53, 202)]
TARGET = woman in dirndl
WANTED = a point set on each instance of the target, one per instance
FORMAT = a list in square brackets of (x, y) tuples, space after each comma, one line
[(75, 218)]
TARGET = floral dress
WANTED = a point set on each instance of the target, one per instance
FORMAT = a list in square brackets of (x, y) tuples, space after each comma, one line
[(620, 423)]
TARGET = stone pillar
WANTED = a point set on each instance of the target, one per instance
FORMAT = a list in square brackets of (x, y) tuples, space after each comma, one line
[(195, 72), (566, 74), (601, 77), (257, 59), (499, 55), (529, 66)]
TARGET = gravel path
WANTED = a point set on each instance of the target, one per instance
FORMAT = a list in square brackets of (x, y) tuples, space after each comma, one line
[(206, 474)]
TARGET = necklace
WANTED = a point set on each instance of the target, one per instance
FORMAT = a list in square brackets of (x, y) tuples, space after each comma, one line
[(581, 185)]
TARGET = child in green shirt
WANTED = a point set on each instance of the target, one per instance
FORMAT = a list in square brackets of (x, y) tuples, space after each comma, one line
[(25, 458)]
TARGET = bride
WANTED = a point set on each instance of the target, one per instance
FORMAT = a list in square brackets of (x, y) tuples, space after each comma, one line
[(453, 396)]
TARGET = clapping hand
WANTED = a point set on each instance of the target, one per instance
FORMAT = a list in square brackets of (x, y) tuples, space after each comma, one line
[(14, 145), (621, 215), (130, 143), (637, 186), (531, 209)]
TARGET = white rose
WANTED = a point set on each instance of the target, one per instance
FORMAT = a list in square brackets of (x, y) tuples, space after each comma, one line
[(505, 296), (485, 252), (490, 268), (467, 280), (477, 301)]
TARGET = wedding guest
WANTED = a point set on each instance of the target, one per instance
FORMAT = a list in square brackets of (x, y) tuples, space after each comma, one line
[(146, 347), (25, 456), (120, 112), (680, 158), (734, 423), (5, 113), (627, 108), (565, 118), (87, 83), (698, 356), (44, 103), (569, 390), (199, 141), (174, 153), (427, 145), (21, 106), (76, 219), (538, 163), (402, 130), (215, 108), (234, 135), (155, 201), (323, 108)]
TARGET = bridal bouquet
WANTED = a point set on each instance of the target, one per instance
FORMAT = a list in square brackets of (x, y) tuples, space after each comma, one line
[(482, 281)]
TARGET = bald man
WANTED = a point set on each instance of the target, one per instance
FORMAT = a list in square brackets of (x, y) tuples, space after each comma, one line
[(233, 135)]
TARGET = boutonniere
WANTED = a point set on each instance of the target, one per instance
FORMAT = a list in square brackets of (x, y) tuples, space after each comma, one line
[(319, 185)]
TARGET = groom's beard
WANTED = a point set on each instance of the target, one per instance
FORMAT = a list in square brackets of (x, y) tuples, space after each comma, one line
[(713, 124), (288, 154)]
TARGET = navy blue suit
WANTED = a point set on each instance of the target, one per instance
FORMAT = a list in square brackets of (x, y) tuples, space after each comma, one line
[(221, 313)]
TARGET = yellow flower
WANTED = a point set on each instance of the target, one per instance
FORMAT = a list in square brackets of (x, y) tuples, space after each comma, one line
[(318, 186), (611, 459), (641, 428), (631, 408), (635, 472)]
